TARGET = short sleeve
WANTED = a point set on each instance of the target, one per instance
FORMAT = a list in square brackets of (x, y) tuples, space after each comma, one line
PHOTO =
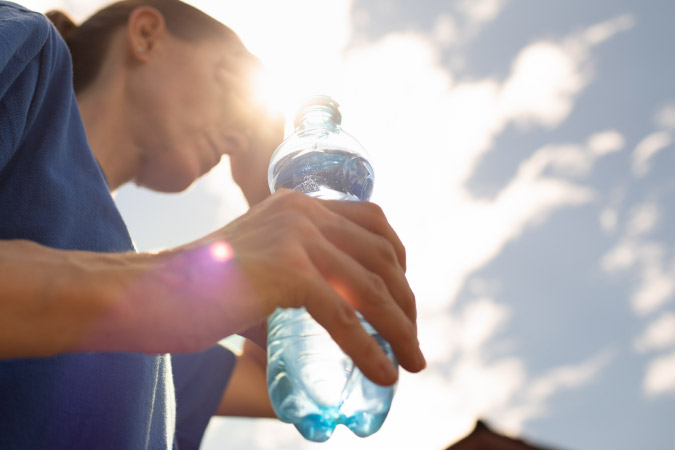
[(23, 35), (200, 380)]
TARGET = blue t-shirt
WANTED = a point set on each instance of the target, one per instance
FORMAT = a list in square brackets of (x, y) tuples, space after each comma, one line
[(53, 192)]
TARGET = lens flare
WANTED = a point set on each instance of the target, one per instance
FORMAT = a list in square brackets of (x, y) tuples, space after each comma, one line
[(221, 251), (268, 90)]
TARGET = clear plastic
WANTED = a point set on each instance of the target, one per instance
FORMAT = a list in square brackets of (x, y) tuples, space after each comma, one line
[(311, 382)]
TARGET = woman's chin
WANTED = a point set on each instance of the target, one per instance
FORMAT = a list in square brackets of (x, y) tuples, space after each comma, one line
[(172, 184)]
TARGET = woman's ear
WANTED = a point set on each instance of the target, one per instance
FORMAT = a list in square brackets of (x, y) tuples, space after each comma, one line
[(144, 29)]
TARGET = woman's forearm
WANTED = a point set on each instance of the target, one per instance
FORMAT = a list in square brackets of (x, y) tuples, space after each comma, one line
[(290, 251), (50, 299), (56, 301)]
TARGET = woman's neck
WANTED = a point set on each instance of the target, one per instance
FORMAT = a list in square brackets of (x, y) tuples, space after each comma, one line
[(106, 123)]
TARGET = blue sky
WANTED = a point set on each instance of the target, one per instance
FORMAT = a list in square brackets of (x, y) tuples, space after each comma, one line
[(524, 151)]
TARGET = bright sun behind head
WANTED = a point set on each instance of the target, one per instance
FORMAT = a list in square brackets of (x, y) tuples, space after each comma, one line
[(301, 57), (274, 93)]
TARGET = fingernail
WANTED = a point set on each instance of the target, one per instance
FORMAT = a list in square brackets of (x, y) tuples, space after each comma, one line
[(421, 360)]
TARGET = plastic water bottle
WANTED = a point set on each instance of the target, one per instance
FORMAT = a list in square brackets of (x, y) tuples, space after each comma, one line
[(311, 382)]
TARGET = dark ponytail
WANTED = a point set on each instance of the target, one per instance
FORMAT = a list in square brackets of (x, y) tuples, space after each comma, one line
[(88, 42), (63, 23)]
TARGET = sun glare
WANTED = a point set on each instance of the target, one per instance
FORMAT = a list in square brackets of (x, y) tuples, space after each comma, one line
[(283, 91), (272, 93), (221, 251), (303, 58)]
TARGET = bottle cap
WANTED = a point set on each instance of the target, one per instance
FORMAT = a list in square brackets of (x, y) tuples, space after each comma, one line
[(319, 102)]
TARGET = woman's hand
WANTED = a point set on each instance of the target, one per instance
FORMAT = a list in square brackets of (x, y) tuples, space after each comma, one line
[(333, 258)]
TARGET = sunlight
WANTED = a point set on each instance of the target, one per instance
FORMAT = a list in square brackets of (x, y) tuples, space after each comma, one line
[(302, 58), (268, 91), (279, 93), (221, 251)]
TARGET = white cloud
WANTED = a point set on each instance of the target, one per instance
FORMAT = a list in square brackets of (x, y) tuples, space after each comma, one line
[(485, 387), (480, 320), (659, 335), (428, 403), (437, 130), (606, 142), (566, 377), (659, 378), (647, 148), (622, 256), (609, 220), (500, 390), (479, 11), (657, 285), (547, 76), (655, 271), (535, 394), (665, 117), (631, 248), (445, 31), (603, 31), (544, 82), (643, 219), (460, 385), (439, 336), (574, 160)]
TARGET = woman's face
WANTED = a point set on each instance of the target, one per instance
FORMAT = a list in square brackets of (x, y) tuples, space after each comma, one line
[(190, 105)]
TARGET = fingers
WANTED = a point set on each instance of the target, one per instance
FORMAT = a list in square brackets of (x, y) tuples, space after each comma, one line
[(362, 271), (343, 324), (361, 230), (368, 293), (380, 257), (371, 217)]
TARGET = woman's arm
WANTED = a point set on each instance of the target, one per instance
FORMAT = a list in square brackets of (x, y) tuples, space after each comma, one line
[(290, 250), (246, 392), (50, 300)]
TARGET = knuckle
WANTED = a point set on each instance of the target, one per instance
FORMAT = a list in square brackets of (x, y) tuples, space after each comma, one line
[(404, 256), (378, 286), (291, 200), (374, 209), (408, 332), (387, 251), (298, 293), (410, 307), (345, 318), (295, 224)]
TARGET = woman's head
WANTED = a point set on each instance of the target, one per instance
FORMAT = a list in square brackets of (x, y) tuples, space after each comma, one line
[(174, 83), (89, 42)]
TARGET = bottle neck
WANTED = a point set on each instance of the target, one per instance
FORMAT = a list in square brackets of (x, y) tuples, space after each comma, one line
[(318, 117)]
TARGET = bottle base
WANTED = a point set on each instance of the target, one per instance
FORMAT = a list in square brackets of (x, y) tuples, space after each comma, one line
[(319, 428)]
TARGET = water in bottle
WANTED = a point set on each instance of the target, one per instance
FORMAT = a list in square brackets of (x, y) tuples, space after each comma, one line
[(311, 382)]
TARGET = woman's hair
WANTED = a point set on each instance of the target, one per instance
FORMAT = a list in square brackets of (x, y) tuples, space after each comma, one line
[(88, 42)]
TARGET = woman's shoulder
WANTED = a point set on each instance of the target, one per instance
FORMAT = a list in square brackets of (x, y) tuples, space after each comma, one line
[(31, 60), (23, 33)]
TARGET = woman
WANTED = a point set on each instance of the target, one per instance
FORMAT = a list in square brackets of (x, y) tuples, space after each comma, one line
[(162, 92)]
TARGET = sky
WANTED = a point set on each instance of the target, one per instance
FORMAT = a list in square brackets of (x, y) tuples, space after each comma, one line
[(524, 152)]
